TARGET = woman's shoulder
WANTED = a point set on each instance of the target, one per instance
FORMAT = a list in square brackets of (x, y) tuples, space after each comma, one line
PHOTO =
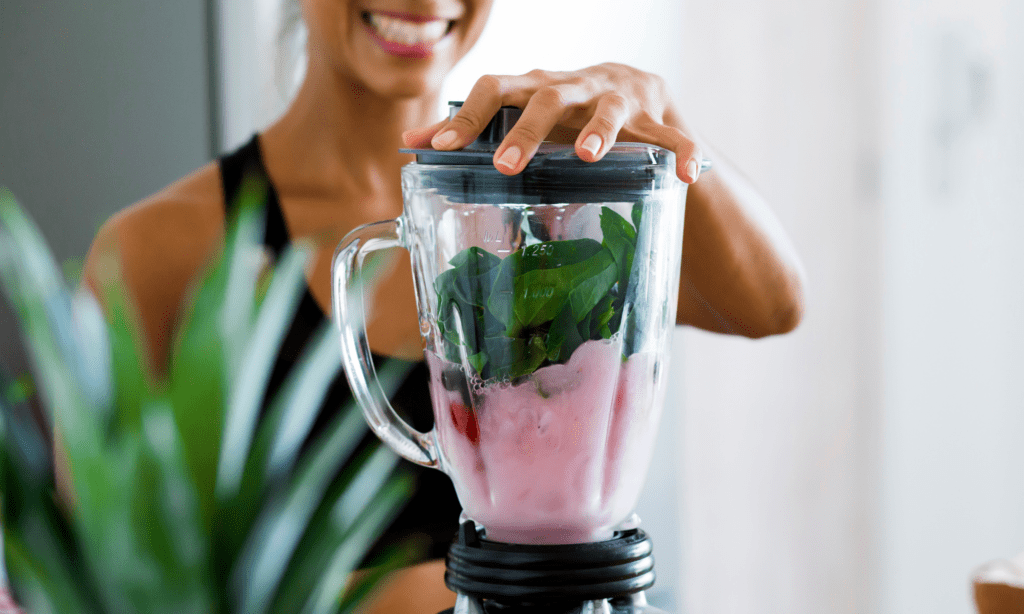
[(197, 197), (156, 247), (171, 223)]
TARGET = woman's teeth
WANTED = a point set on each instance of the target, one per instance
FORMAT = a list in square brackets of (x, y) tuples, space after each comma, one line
[(396, 30)]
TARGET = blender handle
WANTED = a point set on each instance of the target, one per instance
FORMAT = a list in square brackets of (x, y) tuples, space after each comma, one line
[(349, 299)]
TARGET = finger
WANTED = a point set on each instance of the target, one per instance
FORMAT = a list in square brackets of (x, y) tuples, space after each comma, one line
[(483, 101), (600, 133), (540, 116), (419, 138), (688, 153)]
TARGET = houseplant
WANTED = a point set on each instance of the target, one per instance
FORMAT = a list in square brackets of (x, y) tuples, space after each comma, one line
[(182, 497)]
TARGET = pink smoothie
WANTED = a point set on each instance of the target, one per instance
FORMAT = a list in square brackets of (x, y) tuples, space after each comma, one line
[(558, 458)]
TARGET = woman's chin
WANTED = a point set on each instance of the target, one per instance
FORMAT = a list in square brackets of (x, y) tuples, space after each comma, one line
[(394, 70), (405, 84)]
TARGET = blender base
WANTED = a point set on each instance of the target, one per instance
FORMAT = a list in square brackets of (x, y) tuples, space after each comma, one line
[(635, 604), (607, 577)]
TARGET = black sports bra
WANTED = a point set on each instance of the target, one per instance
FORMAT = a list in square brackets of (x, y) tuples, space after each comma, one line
[(431, 517)]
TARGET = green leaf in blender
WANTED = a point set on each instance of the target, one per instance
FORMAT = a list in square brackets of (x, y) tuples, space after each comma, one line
[(477, 259), (563, 337), (538, 304), (637, 214), (501, 299), (478, 361), (541, 293), (620, 240)]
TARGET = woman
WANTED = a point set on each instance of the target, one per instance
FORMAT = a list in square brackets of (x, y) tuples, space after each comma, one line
[(371, 86)]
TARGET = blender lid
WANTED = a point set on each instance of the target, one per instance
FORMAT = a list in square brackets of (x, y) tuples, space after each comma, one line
[(621, 156), (555, 173)]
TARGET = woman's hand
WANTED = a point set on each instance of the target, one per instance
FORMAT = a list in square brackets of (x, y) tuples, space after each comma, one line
[(597, 106)]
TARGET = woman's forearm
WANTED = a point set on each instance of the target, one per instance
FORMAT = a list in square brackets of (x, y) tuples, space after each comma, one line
[(740, 272)]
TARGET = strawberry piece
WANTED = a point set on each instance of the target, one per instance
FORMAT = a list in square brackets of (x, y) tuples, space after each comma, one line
[(464, 419)]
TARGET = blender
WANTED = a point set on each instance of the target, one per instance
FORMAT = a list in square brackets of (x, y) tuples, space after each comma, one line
[(546, 301)]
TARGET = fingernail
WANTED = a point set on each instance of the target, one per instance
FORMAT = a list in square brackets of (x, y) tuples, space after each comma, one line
[(445, 139), (510, 158), (592, 144), (691, 170)]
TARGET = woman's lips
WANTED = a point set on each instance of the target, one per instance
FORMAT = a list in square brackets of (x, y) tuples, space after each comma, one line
[(411, 17), (404, 34)]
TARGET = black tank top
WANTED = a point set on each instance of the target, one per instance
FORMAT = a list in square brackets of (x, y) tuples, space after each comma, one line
[(431, 516)]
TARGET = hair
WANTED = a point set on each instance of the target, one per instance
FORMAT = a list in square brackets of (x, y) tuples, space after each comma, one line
[(290, 58)]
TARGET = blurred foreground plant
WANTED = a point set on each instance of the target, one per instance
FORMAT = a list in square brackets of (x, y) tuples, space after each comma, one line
[(184, 498)]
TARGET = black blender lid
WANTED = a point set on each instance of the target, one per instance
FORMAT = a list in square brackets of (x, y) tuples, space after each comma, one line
[(481, 151), (555, 173)]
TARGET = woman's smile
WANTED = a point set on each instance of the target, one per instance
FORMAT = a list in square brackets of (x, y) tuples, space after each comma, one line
[(407, 34), (395, 48)]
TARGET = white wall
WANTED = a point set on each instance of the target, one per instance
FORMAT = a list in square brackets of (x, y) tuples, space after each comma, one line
[(250, 95), (778, 432), (953, 427)]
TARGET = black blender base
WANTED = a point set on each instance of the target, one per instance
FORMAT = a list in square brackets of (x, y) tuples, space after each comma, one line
[(607, 577), (635, 604)]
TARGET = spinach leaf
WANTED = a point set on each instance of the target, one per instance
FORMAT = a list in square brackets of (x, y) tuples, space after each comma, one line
[(539, 303), (476, 259), (587, 292), (637, 214), (603, 315), (501, 300), (541, 293), (563, 336), (620, 239), (619, 235), (555, 254)]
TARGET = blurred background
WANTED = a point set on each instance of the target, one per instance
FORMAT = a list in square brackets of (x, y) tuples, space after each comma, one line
[(867, 462)]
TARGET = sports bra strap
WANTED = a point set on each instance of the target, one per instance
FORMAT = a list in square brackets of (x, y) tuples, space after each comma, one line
[(247, 160)]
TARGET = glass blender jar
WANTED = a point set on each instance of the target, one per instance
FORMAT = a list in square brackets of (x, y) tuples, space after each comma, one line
[(546, 302)]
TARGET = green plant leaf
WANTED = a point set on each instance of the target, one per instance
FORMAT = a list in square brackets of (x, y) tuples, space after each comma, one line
[(38, 538), (165, 515), (278, 531), (133, 382), (200, 368), (240, 275), (246, 398), (35, 287), (45, 585), (329, 593), (61, 339), (366, 502), (352, 493), (294, 410), (148, 534)]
